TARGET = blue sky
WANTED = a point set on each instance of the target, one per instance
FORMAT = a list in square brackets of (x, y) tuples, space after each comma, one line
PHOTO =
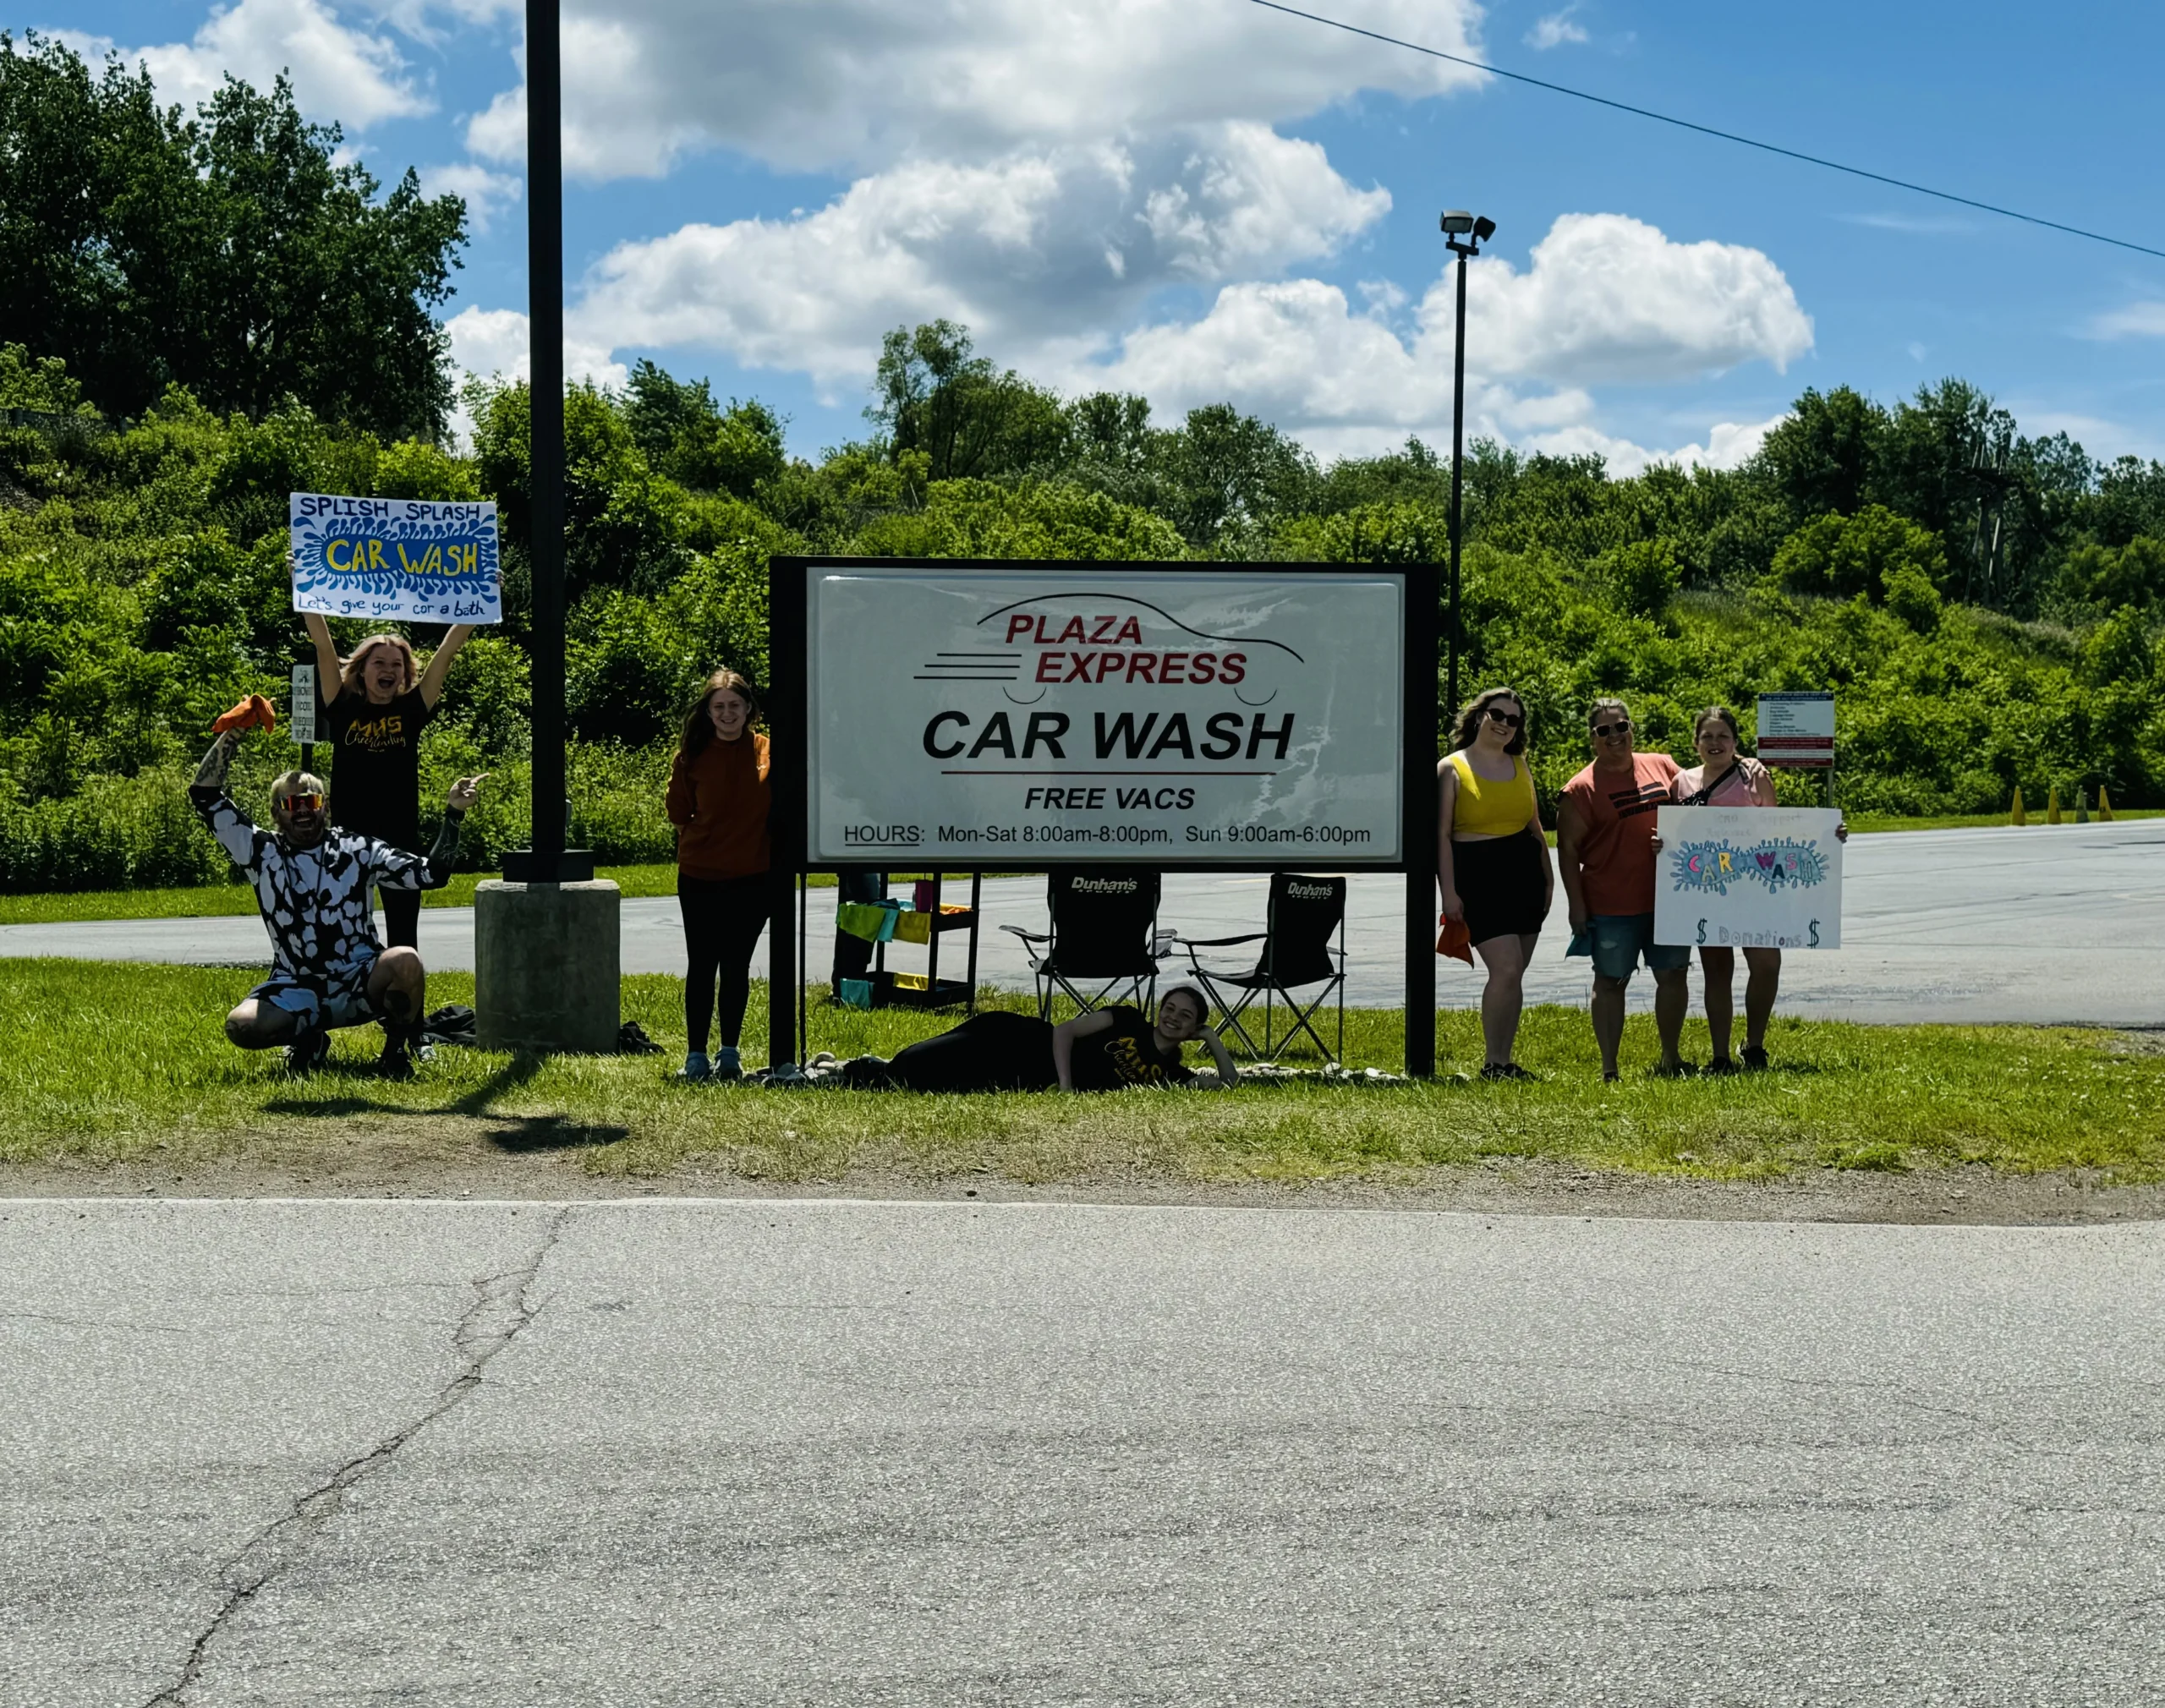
[(1201, 199)]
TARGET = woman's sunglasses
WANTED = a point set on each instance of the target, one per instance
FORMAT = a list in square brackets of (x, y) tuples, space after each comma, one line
[(1622, 727), (1498, 715)]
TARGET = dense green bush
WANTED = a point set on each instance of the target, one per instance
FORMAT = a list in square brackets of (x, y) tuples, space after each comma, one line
[(143, 585)]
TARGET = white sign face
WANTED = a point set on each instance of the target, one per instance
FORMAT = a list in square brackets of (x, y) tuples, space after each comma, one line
[(1748, 878), (301, 708), (1047, 715), (412, 559)]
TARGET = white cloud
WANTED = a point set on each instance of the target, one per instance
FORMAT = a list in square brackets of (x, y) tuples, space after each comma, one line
[(1554, 31), (486, 193), (859, 84), (341, 74), (1026, 250), (2135, 320), (498, 131), (494, 343), (1609, 298), (1604, 298)]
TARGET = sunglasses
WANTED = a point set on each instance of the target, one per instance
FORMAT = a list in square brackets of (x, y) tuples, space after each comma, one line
[(301, 804), (1622, 727), (1498, 716)]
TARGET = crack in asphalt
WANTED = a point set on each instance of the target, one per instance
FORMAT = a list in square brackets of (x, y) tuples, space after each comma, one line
[(502, 1306)]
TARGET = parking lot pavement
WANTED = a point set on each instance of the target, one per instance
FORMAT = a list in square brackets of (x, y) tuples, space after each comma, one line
[(2040, 925), (263, 1453)]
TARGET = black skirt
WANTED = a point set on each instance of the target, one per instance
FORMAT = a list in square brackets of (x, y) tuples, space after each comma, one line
[(1501, 884)]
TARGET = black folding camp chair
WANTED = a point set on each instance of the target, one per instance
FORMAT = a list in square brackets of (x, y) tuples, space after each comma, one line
[(1298, 951), (1103, 940)]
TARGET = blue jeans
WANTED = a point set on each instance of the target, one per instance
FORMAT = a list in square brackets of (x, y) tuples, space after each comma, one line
[(1620, 940)]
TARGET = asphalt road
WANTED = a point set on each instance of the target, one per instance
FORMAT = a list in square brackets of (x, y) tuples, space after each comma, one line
[(2038, 925), (717, 1453)]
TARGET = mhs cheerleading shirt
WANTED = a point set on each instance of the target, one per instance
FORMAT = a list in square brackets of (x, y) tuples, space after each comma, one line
[(375, 780), (1616, 851)]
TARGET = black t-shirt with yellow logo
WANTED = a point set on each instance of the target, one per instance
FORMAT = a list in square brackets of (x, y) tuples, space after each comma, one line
[(376, 776), (1125, 1054)]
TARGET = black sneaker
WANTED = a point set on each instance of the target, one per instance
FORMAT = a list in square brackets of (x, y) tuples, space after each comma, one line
[(396, 1061), (1722, 1065), (309, 1052), (1505, 1070), (1755, 1059)]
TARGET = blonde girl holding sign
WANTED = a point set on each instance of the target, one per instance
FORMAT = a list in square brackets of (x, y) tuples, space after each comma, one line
[(1725, 776)]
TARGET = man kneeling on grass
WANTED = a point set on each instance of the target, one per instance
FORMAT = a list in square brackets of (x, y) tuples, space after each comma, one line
[(312, 885)]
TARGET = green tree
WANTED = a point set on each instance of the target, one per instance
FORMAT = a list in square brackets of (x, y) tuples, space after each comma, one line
[(2133, 574), (1840, 556), (931, 394), (230, 253), (1824, 456), (1225, 471)]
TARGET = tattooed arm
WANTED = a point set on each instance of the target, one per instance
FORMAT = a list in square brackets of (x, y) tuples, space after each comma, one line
[(235, 830), (397, 869)]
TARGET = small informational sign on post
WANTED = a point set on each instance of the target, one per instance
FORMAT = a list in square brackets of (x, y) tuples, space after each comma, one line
[(407, 559), (302, 708), (1748, 878), (1797, 730)]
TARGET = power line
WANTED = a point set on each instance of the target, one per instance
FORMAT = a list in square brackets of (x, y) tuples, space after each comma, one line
[(1708, 130)]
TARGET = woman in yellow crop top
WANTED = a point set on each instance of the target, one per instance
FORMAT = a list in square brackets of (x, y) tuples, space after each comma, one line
[(1492, 860)]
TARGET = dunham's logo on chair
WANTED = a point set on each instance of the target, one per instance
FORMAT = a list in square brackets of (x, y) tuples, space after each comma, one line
[(1081, 885)]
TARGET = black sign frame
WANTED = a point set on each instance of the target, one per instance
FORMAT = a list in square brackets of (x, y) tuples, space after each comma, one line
[(789, 714)]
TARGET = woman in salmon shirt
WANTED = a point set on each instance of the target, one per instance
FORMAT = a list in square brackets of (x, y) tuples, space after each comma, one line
[(718, 801)]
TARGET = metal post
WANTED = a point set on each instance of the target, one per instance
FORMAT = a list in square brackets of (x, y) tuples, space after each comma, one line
[(1458, 470), (1419, 786), (787, 720), (544, 863)]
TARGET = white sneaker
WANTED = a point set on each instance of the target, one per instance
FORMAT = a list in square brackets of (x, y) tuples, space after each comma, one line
[(696, 1068)]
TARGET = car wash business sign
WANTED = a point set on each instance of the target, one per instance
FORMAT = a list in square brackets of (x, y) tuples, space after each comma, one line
[(1067, 713)]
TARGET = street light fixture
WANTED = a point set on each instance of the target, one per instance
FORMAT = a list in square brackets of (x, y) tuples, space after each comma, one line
[(1464, 233)]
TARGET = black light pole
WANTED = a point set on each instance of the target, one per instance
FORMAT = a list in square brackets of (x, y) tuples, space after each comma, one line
[(1474, 231), (544, 862)]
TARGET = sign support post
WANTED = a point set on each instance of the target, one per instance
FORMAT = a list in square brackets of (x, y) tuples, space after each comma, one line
[(789, 717), (1420, 727)]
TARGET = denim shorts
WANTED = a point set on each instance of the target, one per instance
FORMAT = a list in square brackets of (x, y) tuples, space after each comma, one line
[(1620, 940)]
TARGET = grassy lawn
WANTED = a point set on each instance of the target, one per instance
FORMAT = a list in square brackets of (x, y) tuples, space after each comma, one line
[(109, 1062)]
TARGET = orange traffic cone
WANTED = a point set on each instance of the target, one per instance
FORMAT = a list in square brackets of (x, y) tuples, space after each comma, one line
[(2018, 816), (2053, 805), (2104, 806)]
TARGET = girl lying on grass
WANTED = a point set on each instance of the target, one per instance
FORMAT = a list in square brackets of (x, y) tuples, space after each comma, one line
[(1104, 1051)]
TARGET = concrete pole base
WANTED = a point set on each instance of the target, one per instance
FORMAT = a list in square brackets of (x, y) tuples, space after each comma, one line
[(547, 959)]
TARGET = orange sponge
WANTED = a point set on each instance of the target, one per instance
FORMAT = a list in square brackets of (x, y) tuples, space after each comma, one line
[(254, 713)]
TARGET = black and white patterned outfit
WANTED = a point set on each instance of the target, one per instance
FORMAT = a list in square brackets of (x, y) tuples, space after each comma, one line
[(315, 904)]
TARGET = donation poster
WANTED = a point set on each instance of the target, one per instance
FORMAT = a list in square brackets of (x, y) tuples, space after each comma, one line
[(1047, 716), (1748, 878), (407, 559)]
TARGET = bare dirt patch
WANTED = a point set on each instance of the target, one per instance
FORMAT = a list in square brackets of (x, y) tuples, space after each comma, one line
[(541, 1158)]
